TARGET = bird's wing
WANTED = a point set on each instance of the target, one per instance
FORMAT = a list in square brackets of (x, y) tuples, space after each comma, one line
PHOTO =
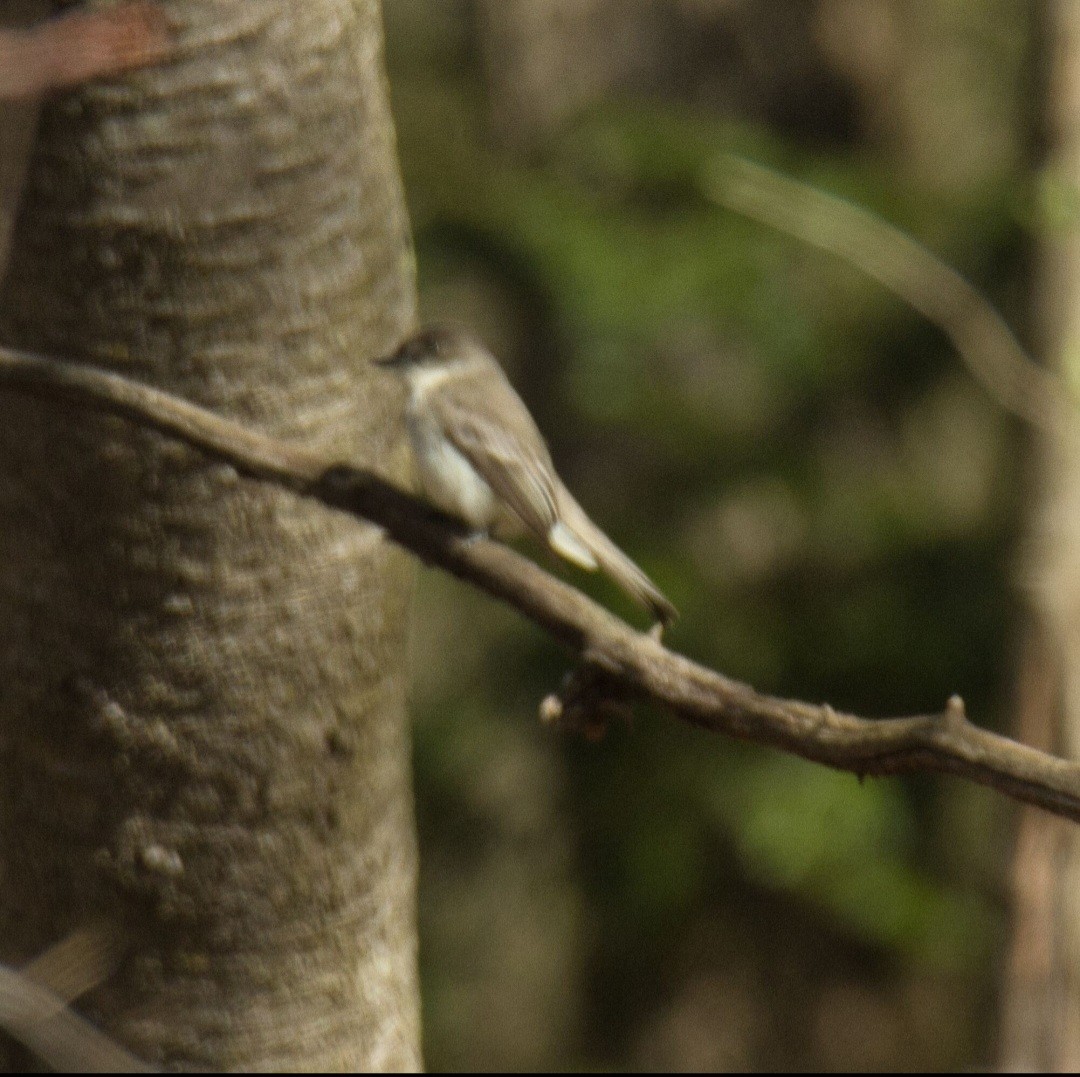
[(494, 431)]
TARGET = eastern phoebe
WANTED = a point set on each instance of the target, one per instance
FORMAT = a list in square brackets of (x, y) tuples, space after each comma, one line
[(480, 457)]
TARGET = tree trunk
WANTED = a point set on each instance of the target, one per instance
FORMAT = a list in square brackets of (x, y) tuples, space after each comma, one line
[(1041, 1005), (202, 729)]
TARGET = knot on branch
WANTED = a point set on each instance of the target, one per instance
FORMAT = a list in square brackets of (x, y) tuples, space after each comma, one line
[(589, 699)]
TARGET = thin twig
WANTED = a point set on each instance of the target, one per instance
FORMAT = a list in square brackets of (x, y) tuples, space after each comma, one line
[(638, 663)]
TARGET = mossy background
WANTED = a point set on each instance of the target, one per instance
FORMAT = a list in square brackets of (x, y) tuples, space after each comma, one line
[(800, 462)]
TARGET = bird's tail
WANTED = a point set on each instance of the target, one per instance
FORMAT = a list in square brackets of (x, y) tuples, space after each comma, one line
[(575, 537)]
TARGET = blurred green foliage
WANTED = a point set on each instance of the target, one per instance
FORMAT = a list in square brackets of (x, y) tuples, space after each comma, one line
[(807, 471)]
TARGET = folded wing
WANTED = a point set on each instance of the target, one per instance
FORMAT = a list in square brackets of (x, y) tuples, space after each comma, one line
[(494, 431)]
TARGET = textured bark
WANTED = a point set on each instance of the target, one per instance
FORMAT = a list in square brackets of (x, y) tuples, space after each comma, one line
[(1041, 1011), (202, 729)]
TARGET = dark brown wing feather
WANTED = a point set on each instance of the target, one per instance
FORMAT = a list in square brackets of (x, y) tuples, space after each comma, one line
[(515, 464)]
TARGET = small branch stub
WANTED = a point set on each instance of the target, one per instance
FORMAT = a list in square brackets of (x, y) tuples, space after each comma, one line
[(955, 713)]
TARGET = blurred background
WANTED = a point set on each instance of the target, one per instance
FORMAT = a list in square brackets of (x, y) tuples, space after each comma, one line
[(802, 463)]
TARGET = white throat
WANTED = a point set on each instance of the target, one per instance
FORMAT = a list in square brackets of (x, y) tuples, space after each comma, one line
[(444, 475), (423, 379)]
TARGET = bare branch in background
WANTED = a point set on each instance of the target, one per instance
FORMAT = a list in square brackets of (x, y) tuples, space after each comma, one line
[(631, 663), (978, 332)]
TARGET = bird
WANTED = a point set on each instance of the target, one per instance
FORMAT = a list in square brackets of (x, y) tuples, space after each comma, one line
[(480, 457)]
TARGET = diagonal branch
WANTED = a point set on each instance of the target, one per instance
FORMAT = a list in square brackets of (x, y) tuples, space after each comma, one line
[(627, 661), (34, 1004)]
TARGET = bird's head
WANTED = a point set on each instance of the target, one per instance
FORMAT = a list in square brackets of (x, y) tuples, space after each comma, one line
[(432, 348)]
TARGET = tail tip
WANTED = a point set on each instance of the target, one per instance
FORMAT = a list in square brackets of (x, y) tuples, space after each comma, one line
[(665, 612)]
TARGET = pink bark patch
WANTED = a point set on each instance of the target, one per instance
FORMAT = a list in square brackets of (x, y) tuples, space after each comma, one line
[(80, 46)]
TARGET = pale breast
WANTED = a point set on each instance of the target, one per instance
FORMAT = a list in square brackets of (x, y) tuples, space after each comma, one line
[(445, 477)]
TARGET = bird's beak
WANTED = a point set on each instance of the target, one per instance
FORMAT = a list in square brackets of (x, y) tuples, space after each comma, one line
[(392, 360)]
